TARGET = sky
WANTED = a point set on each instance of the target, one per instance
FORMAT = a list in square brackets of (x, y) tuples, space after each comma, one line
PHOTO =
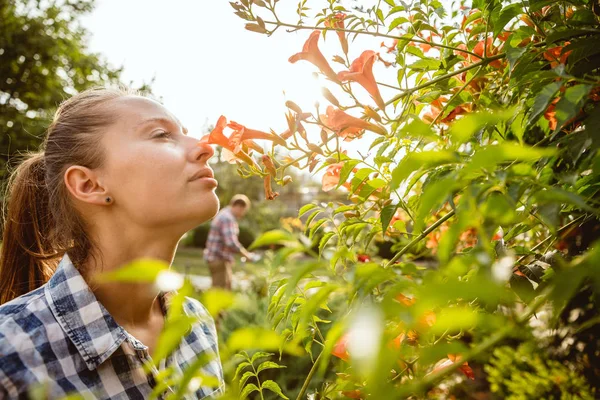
[(203, 60)]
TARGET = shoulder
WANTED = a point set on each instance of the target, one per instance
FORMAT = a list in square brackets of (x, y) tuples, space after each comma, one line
[(25, 314), (24, 338), (197, 309), (225, 215)]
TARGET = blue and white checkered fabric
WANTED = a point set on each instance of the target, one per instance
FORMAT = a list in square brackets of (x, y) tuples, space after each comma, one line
[(60, 336)]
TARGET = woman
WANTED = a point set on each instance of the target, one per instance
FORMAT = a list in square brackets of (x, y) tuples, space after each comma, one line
[(117, 179)]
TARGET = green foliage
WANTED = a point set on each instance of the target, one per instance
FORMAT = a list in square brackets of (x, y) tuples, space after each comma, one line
[(249, 371), (490, 162), (524, 373), (43, 60)]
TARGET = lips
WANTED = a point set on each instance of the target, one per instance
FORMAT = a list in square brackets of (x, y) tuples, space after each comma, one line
[(203, 173)]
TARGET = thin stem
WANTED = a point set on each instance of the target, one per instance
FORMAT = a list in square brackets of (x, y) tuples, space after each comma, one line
[(389, 86), (412, 39), (456, 95), (309, 377), (444, 77), (416, 240), (540, 244)]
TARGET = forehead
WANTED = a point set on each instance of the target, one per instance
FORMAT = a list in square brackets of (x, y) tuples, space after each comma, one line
[(134, 111)]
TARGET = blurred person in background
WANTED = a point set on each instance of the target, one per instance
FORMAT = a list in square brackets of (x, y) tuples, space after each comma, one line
[(222, 244)]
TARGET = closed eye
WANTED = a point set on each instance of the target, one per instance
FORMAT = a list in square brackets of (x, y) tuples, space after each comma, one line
[(162, 134)]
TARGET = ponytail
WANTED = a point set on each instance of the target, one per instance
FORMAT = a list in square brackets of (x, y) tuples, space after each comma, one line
[(41, 223), (28, 257)]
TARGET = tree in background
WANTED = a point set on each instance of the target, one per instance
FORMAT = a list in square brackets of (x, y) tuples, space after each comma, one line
[(43, 60)]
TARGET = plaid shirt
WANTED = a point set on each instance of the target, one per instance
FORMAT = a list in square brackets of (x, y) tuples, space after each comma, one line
[(61, 336), (222, 242)]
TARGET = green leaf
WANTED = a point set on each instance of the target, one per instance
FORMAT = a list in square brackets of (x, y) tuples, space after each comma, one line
[(398, 21), (558, 195), (216, 300), (513, 54), (248, 389), (561, 34), (240, 368), (142, 270), (312, 216), (505, 16), (268, 365), (434, 194), (346, 171), (387, 213), (542, 101), (316, 301), (455, 319), (499, 208), (306, 208), (260, 338), (315, 227), (273, 387), (323, 242), (492, 155), (377, 183), (426, 64), (423, 160), (277, 236), (417, 128), (245, 377), (571, 103), (171, 336), (301, 272), (432, 354), (259, 354), (464, 129)]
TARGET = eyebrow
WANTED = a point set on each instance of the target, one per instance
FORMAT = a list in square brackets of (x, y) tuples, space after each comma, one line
[(164, 121)]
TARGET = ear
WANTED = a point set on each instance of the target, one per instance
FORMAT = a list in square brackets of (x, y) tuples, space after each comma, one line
[(84, 185)]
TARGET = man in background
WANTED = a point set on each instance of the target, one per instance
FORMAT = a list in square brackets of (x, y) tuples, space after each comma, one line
[(222, 243)]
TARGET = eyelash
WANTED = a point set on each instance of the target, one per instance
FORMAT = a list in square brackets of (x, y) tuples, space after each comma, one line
[(163, 134)]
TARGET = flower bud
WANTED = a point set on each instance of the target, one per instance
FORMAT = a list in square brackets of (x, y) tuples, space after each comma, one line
[(324, 136), (369, 112), (313, 164), (268, 163), (293, 106), (330, 97)]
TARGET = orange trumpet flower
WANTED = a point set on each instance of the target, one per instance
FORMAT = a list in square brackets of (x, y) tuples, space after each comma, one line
[(332, 177), (361, 72), (268, 163), (347, 126), (217, 137), (241, 134), (452, 359), (556, 55), (311, 53), (340, 349), (269, 193)]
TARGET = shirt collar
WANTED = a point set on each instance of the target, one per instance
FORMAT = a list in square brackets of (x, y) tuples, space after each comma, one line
[(85, 321)]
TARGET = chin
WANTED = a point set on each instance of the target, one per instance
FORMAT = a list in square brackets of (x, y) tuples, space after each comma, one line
[(208, 207)]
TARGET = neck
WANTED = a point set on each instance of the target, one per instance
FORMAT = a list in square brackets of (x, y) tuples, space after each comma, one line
[(129, 303)]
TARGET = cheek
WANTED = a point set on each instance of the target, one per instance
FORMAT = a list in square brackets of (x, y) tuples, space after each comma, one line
[(148, 170)]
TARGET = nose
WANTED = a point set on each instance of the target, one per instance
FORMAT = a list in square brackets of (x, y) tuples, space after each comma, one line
[(201, 151)]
